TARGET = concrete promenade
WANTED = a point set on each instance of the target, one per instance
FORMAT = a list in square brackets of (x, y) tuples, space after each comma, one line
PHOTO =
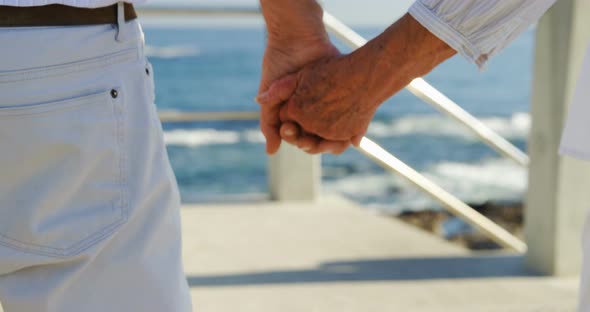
[(334, 256)]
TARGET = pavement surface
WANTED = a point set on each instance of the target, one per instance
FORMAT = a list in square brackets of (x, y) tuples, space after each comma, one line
[(332, 255)]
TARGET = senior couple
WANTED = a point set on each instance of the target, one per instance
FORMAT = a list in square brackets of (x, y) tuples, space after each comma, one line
[(89, 208)]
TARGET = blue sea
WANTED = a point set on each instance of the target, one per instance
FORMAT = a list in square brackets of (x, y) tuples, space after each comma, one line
[(217, 69)]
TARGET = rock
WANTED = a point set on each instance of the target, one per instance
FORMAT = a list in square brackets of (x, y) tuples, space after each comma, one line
[(508, 215)]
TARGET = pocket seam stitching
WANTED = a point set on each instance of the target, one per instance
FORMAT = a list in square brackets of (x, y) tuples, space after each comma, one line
[(64, 252), (122, 207), (52, 107), (75, 67)]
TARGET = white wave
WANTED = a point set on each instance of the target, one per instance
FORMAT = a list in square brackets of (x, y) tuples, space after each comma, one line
[(254, 136), (515, 127), (473, 183), (170, 52), (194, 138), (201, 137), (498, 178), (363, 185)]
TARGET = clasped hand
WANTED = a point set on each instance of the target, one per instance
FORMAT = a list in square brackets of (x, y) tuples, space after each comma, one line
[(324, 107)]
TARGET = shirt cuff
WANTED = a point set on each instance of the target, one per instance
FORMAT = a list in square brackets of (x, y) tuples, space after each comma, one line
[(448, 34)]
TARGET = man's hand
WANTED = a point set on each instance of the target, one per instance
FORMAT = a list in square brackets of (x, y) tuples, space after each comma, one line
[(336, 97), (281, 60), (296, 37), (328, 99)]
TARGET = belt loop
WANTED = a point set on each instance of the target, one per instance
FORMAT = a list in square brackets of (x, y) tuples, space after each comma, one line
[(120, 22)]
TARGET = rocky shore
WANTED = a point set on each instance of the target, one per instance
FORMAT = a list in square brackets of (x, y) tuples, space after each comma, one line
[(443, 224)]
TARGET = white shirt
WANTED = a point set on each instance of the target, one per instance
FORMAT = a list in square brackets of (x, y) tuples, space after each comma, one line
[(76, 3), (479, 29)]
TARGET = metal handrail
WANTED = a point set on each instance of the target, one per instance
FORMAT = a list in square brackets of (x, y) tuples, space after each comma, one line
[(385, 159), (453, 204), (423, 90), (419, 87), (391, 163)]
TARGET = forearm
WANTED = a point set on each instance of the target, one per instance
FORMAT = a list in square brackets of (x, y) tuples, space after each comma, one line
[(290, 21), (405, 51)]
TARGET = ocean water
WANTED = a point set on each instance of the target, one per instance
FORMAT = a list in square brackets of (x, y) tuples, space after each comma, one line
[(210, 69)]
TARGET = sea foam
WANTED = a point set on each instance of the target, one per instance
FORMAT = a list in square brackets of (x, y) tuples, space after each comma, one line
[(170, 52), (515, 127), (471, 182), (200, 137)]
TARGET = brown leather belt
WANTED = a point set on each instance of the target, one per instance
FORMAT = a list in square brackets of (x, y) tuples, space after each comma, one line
[(61, 15)]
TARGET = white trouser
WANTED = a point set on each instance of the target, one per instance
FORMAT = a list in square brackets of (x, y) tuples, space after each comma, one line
[(89, 207), (584, 303)]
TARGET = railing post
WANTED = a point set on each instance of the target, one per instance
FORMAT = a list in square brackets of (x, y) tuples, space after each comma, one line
[(294, 175), (558, 195)]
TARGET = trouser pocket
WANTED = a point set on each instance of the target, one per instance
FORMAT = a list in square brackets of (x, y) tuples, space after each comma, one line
[(62, 173)]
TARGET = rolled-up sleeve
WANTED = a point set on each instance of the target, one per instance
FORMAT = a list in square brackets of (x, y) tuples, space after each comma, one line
[(478, 29)]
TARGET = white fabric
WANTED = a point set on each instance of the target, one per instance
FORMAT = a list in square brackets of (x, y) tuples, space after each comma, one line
[(576, 136), (89, 207), (584, 297), (75, 3), (478, 29)]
